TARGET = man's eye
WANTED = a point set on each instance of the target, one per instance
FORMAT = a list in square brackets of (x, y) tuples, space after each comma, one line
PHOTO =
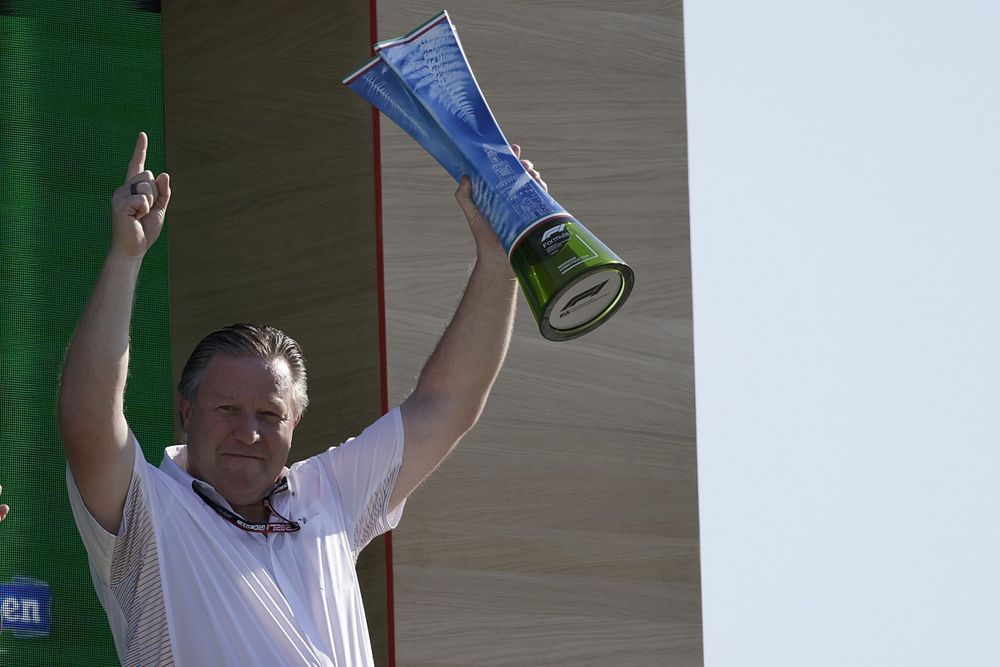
[(227, 408), (273, 417)]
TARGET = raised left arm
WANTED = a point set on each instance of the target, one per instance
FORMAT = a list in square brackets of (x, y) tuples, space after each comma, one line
[(456, 380)]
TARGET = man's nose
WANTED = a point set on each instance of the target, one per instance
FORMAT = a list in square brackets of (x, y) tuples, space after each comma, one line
[(248, 431)]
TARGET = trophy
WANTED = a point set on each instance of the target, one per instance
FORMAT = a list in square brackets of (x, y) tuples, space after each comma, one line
[(422, 81)]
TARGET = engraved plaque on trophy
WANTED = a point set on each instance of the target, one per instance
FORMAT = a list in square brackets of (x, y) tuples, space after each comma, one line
[(422, 82)]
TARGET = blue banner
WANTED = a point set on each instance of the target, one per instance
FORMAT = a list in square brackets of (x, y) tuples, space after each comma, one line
[(25, 607)]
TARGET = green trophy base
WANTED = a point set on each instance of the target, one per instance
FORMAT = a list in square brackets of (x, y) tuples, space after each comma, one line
[(572, 282)]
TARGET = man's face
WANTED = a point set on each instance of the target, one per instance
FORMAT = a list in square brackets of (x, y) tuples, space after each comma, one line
[(240, 426)]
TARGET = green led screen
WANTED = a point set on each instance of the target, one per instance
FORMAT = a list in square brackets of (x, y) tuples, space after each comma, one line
[(78, 80)]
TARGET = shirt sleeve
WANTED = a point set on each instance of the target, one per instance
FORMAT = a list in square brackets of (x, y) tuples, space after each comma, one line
[(124, 567), (364, 471), (100, 544)]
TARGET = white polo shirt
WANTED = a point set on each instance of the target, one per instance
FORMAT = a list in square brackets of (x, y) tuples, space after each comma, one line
[(183, 586)]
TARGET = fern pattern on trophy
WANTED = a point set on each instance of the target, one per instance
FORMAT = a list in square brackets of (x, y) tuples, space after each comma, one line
[(383, 89), (389, 96), (435, 66)]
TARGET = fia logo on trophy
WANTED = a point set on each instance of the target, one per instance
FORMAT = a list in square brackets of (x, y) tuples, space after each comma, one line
[(422, 82)]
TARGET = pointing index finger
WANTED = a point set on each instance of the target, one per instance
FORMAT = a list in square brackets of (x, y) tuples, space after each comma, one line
[(138, 162)]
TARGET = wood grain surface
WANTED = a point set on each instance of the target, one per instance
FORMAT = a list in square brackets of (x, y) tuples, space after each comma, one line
[(564, 530)]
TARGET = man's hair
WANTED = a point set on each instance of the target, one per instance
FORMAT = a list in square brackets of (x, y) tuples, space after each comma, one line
[(247, 340)]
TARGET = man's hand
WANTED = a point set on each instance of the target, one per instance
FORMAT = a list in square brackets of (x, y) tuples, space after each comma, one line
[(3, 509), (138, 207), (487, 244)]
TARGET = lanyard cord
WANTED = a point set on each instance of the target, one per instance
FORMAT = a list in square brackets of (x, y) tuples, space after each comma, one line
[(283, 526)]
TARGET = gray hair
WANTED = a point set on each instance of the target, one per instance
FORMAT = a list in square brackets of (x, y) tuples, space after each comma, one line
[(247, 340)]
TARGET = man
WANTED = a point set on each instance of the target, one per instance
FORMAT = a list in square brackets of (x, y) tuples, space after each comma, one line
[(4, 509), (223, 556)]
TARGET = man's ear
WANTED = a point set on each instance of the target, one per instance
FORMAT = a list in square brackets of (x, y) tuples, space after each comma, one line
[(184, 409)]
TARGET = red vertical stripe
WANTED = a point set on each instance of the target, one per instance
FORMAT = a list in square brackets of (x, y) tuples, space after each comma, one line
[(383, 355)]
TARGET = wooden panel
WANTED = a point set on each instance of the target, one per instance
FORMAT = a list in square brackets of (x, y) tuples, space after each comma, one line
[(272, 218), (564, 530)]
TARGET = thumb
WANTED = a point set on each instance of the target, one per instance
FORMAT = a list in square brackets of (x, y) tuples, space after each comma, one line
[(486, 239), (163, 193), (464, 197), (477, 221)]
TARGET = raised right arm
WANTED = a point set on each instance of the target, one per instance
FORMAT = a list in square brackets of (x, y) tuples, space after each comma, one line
[(92, 422)]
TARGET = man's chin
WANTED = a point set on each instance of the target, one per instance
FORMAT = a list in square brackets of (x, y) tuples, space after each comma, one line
[(236, 493), (243, 479)]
